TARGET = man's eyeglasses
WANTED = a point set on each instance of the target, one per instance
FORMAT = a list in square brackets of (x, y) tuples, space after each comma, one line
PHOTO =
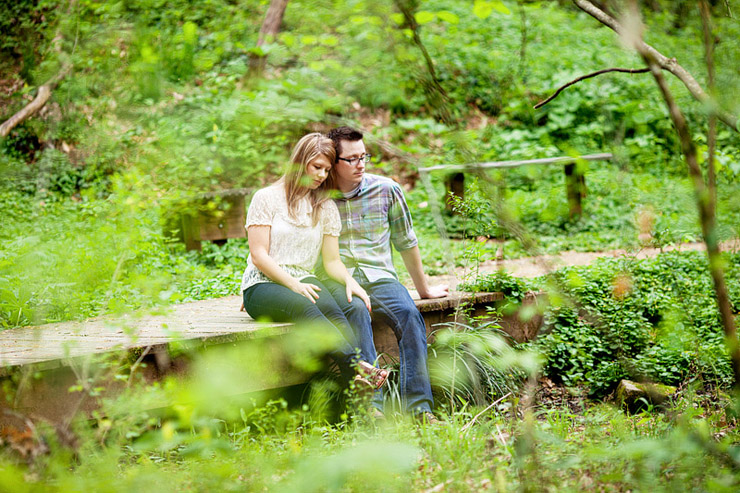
[(365, 158)]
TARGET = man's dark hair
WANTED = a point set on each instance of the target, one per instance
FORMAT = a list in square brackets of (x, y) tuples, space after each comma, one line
[(337, 135)]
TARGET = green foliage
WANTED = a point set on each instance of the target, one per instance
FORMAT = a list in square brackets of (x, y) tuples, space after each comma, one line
[(513, 288), (264, 443), (24, 24), (653, 319)]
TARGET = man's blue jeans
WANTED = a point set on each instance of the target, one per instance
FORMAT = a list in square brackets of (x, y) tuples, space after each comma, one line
[(392, 302), (280, 304)]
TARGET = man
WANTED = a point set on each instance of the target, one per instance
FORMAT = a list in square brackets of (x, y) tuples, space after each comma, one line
[(374, 216)]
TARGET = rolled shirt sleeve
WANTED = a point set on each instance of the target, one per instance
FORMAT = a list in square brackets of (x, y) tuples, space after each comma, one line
[(399, 219)]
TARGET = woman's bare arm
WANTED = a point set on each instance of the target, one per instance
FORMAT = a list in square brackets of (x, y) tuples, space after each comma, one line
[(259, 248), (336, 269)]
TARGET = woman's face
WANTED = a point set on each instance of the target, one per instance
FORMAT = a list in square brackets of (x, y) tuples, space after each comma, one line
[(316, 172)]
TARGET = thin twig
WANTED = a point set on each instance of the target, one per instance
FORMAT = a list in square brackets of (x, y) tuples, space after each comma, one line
[(136, 365), (588, 76), (472, 421), (729, 10), (501, 436)]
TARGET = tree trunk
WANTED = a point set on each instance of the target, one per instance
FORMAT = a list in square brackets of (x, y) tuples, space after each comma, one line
[(268, 32)]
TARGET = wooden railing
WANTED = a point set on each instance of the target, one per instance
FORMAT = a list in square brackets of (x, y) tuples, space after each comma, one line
[(575, 181)]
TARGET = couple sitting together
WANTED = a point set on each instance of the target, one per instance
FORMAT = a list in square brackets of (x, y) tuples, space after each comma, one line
[(294, 221)]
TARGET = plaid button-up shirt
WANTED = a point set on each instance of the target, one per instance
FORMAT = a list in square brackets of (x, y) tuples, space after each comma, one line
[(373, 219)]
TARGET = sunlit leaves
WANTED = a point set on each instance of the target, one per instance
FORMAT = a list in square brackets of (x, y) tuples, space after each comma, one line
[(483, 9), (447, 16), (423, 17)]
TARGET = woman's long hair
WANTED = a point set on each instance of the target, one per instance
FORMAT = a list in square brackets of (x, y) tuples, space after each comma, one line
[(307, 149)]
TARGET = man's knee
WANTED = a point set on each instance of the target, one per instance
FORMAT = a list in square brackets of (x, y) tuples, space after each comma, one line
[(357, 308)]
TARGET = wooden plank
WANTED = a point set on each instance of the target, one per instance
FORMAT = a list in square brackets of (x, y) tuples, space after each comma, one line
[(199, 321)]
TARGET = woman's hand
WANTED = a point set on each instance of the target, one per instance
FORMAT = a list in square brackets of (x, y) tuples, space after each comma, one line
[(310, 291), (353, 287)]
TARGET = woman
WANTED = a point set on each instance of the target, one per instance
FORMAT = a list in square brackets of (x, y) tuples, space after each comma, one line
[(288, 224)]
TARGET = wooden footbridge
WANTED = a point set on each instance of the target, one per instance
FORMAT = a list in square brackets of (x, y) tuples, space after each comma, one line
[(58, 350)]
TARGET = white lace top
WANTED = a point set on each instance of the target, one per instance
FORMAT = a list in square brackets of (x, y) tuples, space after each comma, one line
[(295, 244)]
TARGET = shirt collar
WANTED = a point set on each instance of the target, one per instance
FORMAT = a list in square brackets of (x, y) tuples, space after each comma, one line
[(355, 191)]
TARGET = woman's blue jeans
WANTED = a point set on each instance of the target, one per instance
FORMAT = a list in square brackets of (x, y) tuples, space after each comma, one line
[(280, 304), (392, 302)]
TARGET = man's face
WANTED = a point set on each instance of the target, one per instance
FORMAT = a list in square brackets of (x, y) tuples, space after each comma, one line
[(349, 175)]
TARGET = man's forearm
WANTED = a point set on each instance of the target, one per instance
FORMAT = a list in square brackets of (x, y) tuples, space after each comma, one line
[(412, 261)]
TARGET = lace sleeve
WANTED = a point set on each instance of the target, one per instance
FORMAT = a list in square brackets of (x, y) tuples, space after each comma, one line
[(331, 224), (260, 213)]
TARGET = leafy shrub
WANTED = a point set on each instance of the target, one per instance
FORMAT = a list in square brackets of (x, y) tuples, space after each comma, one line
[(473, 364), (652, 319), (513, 288)]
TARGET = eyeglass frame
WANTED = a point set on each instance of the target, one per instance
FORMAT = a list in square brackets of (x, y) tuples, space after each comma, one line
[(364, 158)]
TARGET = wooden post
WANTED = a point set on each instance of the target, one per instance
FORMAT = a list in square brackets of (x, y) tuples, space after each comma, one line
[(575, 185), (190, 231), (456, 185)]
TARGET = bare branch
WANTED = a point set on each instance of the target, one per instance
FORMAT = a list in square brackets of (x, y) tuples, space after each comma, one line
[(42, 96), (729, 10), (706, 212), (665, 63), (706, 23), (588, 76)]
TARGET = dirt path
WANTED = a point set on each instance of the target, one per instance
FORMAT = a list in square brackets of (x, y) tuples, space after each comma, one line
[(538, 266)]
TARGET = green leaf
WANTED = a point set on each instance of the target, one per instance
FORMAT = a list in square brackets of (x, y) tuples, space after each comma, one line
[(190, 32), (447, 16), (423, 17), (397, 18), (287, 39), (329, 41), (257, 50), (482, 9), (499, 6), (309, 40)]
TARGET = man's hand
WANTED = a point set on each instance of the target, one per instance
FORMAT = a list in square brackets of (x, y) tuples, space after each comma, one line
[(353, 287), (440, 291)]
